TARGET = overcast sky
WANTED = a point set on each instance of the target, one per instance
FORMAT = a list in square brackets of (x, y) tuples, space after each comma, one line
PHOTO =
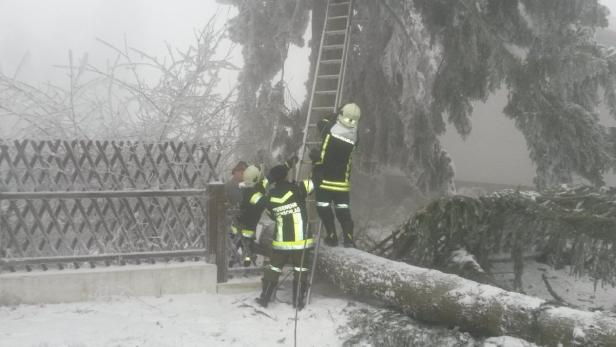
[(43, 31), (611, 4)]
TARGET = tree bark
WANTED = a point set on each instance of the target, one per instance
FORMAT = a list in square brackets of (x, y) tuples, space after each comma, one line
[(435, 297)]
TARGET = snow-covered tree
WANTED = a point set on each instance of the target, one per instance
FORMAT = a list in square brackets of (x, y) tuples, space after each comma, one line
[(265, 29), (416, 64), (136, 96), (563, 227)]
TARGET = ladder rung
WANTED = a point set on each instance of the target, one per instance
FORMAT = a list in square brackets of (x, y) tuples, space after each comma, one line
[(323, 108), (335, 32), (332, 61), (337, 17), (330, 47), (339, 3), (328, 77), (326, 92)]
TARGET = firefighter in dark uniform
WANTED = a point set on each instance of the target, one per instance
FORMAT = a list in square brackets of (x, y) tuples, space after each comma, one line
[(286, 205), (332, 172), (254, 188)]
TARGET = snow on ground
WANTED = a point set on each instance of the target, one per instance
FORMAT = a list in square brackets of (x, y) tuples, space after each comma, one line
[(198, 320), (180, 320), (577, 291)]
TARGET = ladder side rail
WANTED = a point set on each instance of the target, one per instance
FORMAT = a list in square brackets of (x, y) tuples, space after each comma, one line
[(345, 51), (302, 151)]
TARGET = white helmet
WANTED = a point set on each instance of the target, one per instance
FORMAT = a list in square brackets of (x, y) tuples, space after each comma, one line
[(349, 115), (252, 176)]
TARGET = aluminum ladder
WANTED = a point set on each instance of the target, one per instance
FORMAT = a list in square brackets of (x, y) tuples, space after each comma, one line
[(326, 96)]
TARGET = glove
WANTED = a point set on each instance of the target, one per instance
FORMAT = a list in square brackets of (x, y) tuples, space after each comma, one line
[(315, 155), (317, 175), (291, 162)]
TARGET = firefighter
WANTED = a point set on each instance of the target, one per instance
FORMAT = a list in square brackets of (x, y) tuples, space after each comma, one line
[(332, 171), (234, 197), (232, 188), (254, 188), (286, 205)]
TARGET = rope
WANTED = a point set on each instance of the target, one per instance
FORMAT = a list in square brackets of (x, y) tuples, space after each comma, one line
[(299, 285), (299, 278)]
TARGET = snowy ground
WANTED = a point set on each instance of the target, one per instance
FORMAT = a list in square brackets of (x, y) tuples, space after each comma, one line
[(182, 320), (579, 292), (202, 320)]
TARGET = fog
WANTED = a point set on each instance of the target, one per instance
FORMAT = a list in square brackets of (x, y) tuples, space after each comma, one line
[(42, 32), (38, 34), (495, 151)]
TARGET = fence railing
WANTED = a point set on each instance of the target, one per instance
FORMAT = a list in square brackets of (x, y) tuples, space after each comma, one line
[(98, 223), (60, 165), (69, 229), (73, 203)]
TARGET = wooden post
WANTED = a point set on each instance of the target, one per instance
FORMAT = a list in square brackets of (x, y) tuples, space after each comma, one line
[(217, 229)]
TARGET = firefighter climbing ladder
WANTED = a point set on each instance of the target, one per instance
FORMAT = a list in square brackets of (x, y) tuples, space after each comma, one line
[(326, 94)]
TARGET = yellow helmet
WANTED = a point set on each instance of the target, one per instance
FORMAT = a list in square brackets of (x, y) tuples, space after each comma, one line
[(252, 176), (349, 115)]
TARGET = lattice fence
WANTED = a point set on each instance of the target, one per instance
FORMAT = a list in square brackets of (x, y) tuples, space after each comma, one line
[(81, 202), (27, 165)]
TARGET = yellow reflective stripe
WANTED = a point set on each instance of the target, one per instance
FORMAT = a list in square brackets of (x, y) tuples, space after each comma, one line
[(309, 186), (264, 183), (338, 189), (255, 198), (234, 230), (290, 245), (248, 233), (279, 231), (302, 269), (273, 268), (336, 183), (347, 176), (281, 200), (298, 226), (323, 148)]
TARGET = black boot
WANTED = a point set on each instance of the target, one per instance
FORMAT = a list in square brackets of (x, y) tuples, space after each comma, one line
[(347, 234), (268, 288), (248, 250), (331, 240), (327, 218), (299, 294)]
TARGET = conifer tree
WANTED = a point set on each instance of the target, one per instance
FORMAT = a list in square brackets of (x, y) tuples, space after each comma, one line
[(416, 64)]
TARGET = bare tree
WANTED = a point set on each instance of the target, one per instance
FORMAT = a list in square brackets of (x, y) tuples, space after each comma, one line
[(135, 96)]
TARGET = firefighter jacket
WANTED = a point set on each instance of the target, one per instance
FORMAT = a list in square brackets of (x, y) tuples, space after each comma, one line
[(286, 205), (251, 209), (333, 167)]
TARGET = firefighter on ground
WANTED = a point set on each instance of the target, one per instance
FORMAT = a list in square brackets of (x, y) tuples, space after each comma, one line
[(254, 187), (286, 205), (332, 171)]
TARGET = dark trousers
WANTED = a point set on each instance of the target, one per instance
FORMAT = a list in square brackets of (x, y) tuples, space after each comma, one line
[(340, 201), (279, 259), (301, 275)]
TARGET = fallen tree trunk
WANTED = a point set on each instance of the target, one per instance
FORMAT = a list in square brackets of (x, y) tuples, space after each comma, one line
[(435, 297), (388, 328)]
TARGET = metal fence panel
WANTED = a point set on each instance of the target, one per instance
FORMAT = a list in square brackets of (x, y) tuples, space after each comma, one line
[(60, 165), (82, 201), (101, 223)]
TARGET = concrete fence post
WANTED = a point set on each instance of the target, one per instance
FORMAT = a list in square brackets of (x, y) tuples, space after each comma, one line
[(217, 229)]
